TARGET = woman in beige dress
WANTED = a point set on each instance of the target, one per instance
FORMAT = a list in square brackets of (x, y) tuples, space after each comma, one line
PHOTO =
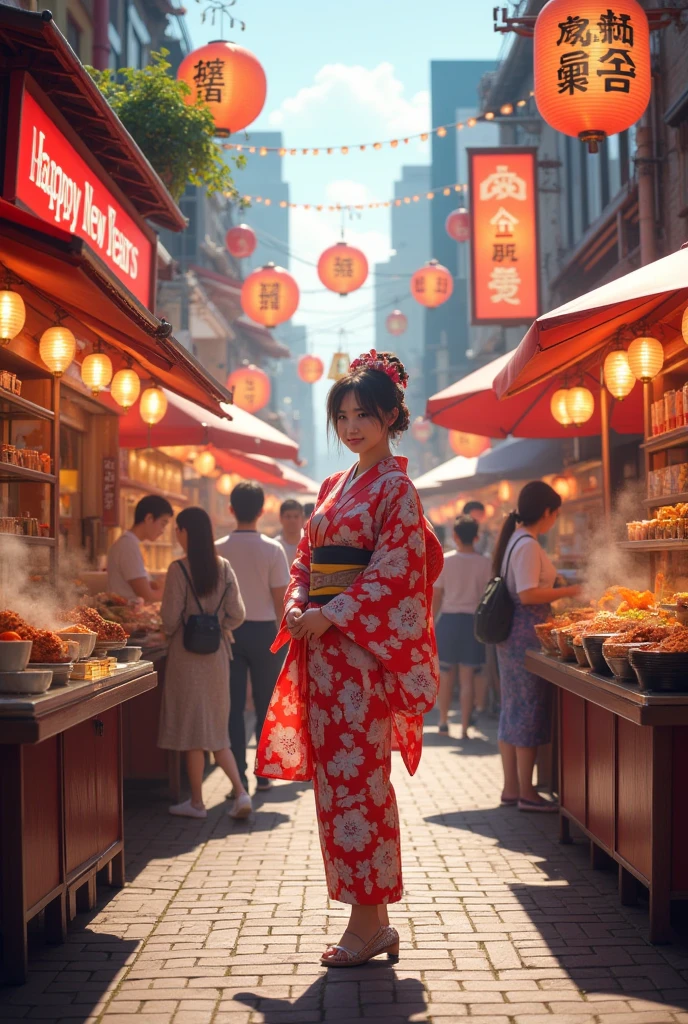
[(195, 701)]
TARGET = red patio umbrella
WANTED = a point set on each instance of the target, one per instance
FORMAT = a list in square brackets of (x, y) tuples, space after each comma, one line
[(472, 404), (185, 423), (560, 339)]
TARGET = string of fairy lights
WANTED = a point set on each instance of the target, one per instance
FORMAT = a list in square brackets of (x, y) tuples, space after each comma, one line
[(444, 190), (441, 132)]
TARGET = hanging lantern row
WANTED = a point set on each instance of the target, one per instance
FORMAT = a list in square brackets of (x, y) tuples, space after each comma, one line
[(432, 285), (241, 241), (250, 387), (310, 369), (12, 315), (396, 323), (572, 406), (204, 463), (229, 81), (458, 225), (468, 445), (270, 295), (342, 268), (592, 70)]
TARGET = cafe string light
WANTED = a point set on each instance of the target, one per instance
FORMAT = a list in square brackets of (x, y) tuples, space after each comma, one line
[(343, 149), (442, 190)]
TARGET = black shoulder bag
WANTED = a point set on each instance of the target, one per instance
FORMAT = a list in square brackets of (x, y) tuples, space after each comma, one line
[(495, 614), (202, 633)]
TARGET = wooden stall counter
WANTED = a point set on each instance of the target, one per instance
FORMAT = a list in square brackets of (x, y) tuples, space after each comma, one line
[(61, 803), (623, 759)]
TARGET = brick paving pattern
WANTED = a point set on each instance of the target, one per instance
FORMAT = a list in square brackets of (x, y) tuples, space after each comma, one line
[(222, 922)]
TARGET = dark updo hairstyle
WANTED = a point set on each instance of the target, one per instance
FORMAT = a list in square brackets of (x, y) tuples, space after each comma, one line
[(376, 393), (535, 499)]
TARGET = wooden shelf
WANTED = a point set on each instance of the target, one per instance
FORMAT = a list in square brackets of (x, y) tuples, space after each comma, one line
[(15, 407), (653, 545), (670, 439), (668, 499), (17, 474)]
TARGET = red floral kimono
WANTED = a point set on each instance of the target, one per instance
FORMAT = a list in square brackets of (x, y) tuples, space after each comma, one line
[(340, 697)]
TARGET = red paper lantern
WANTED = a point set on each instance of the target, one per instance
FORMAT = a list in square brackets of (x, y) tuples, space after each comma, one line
[(241, 241), (458, 225), (229, 80), (396, 322), (592, 73), (468, 445), (310, 369), (270, 295), (432, 284), (251, 387), (342, 269), (421, 430)]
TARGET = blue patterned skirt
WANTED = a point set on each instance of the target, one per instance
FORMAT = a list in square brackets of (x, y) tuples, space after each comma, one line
[(526, 717)]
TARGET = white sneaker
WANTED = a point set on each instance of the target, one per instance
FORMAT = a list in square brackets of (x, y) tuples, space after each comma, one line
[(242, 807), (187, 810)]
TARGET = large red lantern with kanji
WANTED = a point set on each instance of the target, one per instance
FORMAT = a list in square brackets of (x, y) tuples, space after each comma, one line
[(592, 73), (251, 387), (421, 430), (457, 225), (468, 445), (229, 81), (396, 322), (432, 284), (342, 268), (310, 369), (241, 241), (270, 295)]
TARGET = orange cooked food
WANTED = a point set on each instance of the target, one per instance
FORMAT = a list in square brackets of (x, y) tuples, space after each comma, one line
[(675, 643), (47, 646), (76, 628), (94, 621)]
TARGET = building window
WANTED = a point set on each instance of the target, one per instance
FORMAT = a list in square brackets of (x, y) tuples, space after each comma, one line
[(74, 35), (138, 39)]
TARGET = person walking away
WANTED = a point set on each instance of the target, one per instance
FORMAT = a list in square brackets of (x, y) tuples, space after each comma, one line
[(525, 718), (126, 570), (291, 520), (489, 695), (362, 661), (457, 594), (263, 574), (195, 699)]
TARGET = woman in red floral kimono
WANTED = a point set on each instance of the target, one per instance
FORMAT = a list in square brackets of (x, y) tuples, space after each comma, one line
[(362, 662)]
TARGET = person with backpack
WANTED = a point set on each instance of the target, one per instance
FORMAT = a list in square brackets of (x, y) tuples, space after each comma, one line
[(201, 605), (529, 577)]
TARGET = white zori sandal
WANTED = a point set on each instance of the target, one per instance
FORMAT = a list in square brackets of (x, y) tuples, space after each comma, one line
[(385, 940)]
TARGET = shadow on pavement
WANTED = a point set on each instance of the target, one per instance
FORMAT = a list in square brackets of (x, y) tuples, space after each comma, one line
[(394, 1000)]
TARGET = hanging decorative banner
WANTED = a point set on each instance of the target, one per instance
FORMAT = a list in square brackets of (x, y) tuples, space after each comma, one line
[(504, 250)]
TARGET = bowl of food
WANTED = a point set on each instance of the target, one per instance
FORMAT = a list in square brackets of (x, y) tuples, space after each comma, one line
[(661, 671), (30, 681), (14, 652), (85, 638), (563, 636), (543, 631), (615, 652), (592, 642), (60, 670), (127, 654), (580, 655)]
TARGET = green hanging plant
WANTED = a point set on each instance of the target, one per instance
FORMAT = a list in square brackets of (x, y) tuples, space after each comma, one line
[(177, 139)]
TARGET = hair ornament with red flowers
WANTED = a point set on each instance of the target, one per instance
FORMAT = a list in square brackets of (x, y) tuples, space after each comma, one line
[(386, 363)]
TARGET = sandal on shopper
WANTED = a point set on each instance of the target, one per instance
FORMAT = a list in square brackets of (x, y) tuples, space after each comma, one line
[(241, 808), (444, 728), (539, 806), (508, 801), (187, 810), (385, 940)]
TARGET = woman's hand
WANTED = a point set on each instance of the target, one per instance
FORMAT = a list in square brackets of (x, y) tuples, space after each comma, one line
[(314, 623), (294, 623)]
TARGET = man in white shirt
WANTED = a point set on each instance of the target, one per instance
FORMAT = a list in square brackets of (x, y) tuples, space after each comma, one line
[(291, 519), (263, 575), (127, 575)]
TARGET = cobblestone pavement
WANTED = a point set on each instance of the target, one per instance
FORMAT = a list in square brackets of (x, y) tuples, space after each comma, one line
[(222, 922)]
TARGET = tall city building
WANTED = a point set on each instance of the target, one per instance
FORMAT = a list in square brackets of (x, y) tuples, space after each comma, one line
[(454, 87), (262, 177)]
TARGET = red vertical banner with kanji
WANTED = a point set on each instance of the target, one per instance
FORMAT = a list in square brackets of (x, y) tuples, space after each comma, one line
[(504, 235)]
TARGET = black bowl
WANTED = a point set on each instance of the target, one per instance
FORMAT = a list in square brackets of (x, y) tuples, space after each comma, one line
[(593, 648), (581, 656), (660, 671)]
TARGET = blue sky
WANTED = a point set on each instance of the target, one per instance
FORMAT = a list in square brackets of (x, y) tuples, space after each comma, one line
[(358, 73)]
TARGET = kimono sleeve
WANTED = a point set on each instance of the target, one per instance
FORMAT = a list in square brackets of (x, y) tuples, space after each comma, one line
[(386, 610)]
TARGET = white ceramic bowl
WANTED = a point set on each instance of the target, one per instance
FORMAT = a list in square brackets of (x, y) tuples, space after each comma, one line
[(14, 655), (59, 670), (86, 642), (31, 681)]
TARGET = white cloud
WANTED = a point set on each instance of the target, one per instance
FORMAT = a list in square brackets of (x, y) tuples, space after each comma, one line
[(348, 192), (377, 92)]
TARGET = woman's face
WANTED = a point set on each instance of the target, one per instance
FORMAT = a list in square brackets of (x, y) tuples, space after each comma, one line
[(356, 429), (548, 520)]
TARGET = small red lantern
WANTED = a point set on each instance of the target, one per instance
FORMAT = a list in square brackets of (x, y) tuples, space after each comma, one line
[(229, 80), (458, 225), (396, 322), (432, 284), (310, 369), (421, 430), (270, 295), (342, 269), (592, 70), (251, 387), (468, 445), (241, 241)]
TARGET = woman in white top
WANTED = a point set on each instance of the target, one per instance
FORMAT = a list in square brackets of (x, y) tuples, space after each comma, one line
[(525, 719), (457, 594)]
